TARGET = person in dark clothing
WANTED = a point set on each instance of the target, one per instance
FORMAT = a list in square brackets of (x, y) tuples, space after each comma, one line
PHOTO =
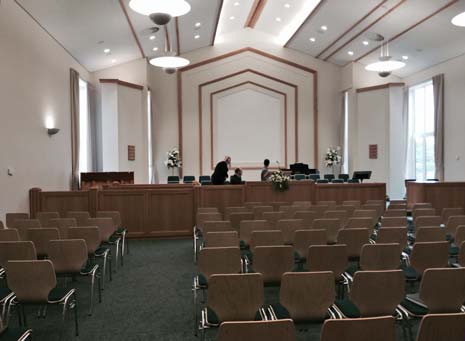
[(236, 179), (265, 175), (220, 174)]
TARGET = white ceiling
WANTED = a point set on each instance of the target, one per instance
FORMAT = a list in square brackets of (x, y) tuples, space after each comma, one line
[(81, 26)]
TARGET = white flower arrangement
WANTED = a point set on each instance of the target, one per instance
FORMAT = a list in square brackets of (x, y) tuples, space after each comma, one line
[(279, 181), (173, 160), (333, 157)]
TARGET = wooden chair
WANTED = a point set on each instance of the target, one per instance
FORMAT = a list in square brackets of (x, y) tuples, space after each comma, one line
[(41, 238), (328, 258), (327, 202), (248, 226), (342, 215), (380, 257), (448, 327), (251, 204), (452, 223), (237, 217), (307, 217), (266, 238), (360, 329), (22, 225), (303, 239), (288, 228), (46, 217), (359, 223), (392, 235), (12, 217), (272, 262), (429, 221), (355, 203), (273, 217), (426, 256), (207, 210), (222, 239), (9, 235), (217, 226), (447, 212), (80, 216), (394, 222), (63, 225), (331, 226), (398, 212), (279, 330), (430, 234), (421, 212), (354, 239), (367, 214), (235, 209), (259, 210)]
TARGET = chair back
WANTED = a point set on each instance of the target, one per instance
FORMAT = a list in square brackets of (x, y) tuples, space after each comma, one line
[(209, 216), (304, 203), (188, 179), (394, 221), (22, 225), (173, 179), (259, 210), (307, 218), (222, 239), (327, 203), (320, 210), (354, 239), (395, 212), (303, 239), (81, 217), (115, 215), (234, 209), (266, 238), (208, 210), (278, 330), (9, 235), (63, 224), (419, 205), (448, 327), (341, 215), (373, 214), (360, 329), (367, 288), (273, 217), (12, 217), (273, 261), (219, 260), (235, 297), (41, 237), (376, 207), (430, 234), (288, 228), (46, 217), (248, 226), (331, 226), (333, 258), (216, 226), (380, 257), (429, 255), (277, 204), (433, 220), (421, 212), (453, 222), (91, 234), (348, 208), (290, 210), (204, 178), (20, 250), (106, 226), (251, 204), (237, 217), (459, 235), (359, 223), (68, 256), (393, 207), (355, 203), (461, 255), (307, 296), (31, 280), (447, 212), (443, 290), (392, 235)]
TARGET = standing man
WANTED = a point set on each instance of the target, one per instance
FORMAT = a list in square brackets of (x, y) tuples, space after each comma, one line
[(265, 175)]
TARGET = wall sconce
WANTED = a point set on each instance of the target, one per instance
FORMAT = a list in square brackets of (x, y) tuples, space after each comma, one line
[(52, 131)]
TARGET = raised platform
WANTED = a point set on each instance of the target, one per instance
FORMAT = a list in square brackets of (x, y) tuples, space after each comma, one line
[(169, 210)]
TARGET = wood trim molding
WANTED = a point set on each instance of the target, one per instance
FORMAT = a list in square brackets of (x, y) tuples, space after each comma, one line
[(178, 39), (167, 38), (392, 9), (219, 79), (352, 27), (255, 13), (263, 54), (122, 83), (218, 16), (450, 3), (213, 94), (379, 87), (310, 16), (133, 31)]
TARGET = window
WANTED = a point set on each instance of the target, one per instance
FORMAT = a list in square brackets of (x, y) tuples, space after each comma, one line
[(84, 135), (421, 124)]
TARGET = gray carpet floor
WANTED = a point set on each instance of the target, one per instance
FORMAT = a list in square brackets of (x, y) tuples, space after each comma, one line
[(150, 298)]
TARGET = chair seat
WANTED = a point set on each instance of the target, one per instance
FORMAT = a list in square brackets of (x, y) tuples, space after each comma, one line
[(214, 321), (414, 305), (349, 309), (113, 238), (243, 246), (282, 313), (12, 334), (410, 274), (121, 230), (4, 293), (298, 258), (202, 281), (101, 250), (88, 268), (57, 294)]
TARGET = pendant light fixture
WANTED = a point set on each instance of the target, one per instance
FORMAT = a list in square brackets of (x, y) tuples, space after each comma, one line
[(459, 20), (169, 62), (160, 11), (386, 64)]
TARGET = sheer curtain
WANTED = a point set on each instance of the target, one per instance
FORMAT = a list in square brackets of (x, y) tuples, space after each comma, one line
[(74, 109), (438, 90), (409, 136)]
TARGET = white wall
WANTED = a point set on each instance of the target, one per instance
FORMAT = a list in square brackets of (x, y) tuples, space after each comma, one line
[(34, 83), (454, 113)]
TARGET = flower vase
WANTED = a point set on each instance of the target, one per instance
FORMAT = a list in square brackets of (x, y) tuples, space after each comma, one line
[(336, 170)]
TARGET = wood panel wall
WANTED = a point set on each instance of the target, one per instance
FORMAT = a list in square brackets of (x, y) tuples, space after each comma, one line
[(439, 194), (169, 210)]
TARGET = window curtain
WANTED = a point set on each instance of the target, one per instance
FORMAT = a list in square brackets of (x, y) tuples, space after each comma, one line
[(74, 108), (438, 91), (342, 134), (409, 136)]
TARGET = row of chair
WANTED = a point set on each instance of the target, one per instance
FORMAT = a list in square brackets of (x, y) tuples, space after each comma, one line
[(206, 179)]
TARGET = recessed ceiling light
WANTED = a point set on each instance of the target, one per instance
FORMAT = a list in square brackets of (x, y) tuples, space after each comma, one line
[(366, 42), (459, 20), (197, 24), (236, 3), (107, 51), (278, 19), (113, 61), (152, 37), (196, 36), (312, 39), (287, 5), (232, 17), (155, 49), (404, 57), (324, 28), (350, 53)]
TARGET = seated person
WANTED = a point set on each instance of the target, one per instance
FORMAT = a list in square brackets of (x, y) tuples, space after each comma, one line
[(220, 174), (236, 179), (265, 175)]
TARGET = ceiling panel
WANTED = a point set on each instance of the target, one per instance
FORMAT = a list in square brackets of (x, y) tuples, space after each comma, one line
[(233, 16), (85, 28)]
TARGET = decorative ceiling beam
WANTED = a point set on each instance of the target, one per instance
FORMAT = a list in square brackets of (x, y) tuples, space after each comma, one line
[(352, 27), (255, 13), (178, 39), (215, 31), (310, 16), (123, 8), (450, 3)]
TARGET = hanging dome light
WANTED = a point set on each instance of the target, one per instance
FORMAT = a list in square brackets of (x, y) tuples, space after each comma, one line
[(385, 65), (459, 20), (169, 62), (160, 11)]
